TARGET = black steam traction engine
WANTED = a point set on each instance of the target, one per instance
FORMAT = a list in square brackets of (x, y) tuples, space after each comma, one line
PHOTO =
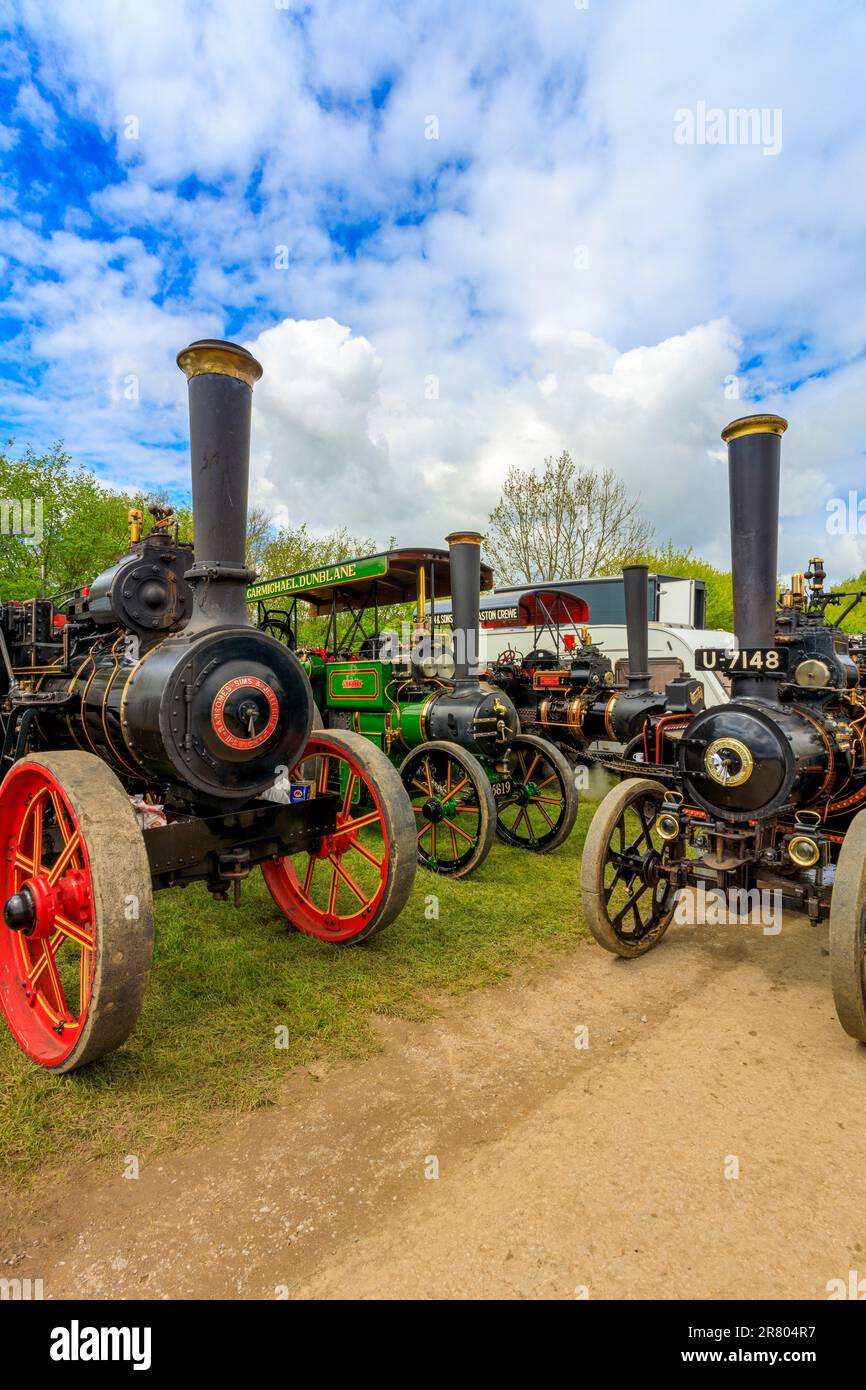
[(565, 690), (767, 792), (144, 723)]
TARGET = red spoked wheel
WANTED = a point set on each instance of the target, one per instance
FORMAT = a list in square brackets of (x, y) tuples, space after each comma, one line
[(358, 879), (76, 936)]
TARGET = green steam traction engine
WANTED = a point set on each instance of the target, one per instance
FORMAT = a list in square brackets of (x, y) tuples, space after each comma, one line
[(470, 772)]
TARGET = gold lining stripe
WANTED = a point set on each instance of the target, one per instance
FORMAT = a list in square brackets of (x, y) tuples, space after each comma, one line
[(69, 690), (82, 711), (137, 667), (136, 771), (422, 715), (608, 710)]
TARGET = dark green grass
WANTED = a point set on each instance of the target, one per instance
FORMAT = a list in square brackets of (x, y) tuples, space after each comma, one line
[(225, 979)]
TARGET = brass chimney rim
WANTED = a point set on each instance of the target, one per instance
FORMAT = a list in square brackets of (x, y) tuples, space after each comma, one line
[(754, 424), (464, 538), (216, 357)]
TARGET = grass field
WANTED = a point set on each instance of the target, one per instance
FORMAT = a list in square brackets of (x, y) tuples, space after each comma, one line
[(225, 980)]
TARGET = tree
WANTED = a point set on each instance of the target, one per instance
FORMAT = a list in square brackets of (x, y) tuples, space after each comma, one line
[(57, 519), (260, 533), (685, 564), (292, 549), (856, 619), (567, 521)]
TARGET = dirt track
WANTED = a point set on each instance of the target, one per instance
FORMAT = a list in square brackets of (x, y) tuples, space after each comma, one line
[(559, 1169)]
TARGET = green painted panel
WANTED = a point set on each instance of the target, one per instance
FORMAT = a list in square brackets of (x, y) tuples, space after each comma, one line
[(349, 572), (358, 684)]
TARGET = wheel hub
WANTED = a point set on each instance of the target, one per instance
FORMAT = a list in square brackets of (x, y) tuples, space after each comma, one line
[(434, 810), (19, 914), (524, 792), (337, 843), (34, 908), (645, 866)]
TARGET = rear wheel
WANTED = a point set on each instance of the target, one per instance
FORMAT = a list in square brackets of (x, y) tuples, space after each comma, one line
[(358, 879), (540, 811), (453, 806), (627, 901), (848, 931), (76, 937)]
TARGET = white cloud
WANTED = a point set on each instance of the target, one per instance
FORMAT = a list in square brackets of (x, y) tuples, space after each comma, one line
[(31, 106), (555, 133)]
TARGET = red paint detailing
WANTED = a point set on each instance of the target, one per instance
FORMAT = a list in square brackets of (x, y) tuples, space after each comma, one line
[(223, 733), (44, 1018)]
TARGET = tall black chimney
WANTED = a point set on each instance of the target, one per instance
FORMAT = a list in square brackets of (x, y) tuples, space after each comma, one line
[(465, 547), (635, 580), (221, 378), (754, 458)]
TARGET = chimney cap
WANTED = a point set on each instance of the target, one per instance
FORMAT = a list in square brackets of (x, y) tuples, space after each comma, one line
[(754, 424), (212, 355), (464, 538)]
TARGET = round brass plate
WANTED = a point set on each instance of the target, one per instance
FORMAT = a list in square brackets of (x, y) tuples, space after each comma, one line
[(729, 762)]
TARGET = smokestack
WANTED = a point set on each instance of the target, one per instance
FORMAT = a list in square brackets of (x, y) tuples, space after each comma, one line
[(465, 547), (635, 580), (221, 378), (754, 458)]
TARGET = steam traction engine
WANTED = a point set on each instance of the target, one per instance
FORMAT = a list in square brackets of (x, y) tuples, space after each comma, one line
[(767, 792), (143, 725), (469, 770), (565, 692)]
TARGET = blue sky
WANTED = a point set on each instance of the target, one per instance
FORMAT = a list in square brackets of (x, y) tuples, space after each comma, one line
[(458, 237)]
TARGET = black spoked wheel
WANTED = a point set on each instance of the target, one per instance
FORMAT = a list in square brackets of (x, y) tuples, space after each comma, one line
[(454, 807), (627, 901), (848, 931), (278, 624), (540, 810)]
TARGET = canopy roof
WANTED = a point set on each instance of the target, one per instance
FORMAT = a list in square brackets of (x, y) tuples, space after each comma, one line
[(535, 608), (540, 606), (389, 577)]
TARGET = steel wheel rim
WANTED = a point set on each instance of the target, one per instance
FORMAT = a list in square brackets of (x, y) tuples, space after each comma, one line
[(312, 897), (635, 862), (45, 991), (533, 795), (458, 801)]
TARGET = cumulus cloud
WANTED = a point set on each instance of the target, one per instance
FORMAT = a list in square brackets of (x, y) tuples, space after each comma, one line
[(495, 248)]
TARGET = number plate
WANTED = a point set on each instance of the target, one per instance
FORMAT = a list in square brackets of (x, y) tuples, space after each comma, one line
[(761, 661), (300, 791), (504, 786)]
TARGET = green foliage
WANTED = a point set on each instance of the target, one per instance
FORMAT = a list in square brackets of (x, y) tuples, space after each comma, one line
[(856, 619), (667, 559), (293, 550), (72, 525)]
